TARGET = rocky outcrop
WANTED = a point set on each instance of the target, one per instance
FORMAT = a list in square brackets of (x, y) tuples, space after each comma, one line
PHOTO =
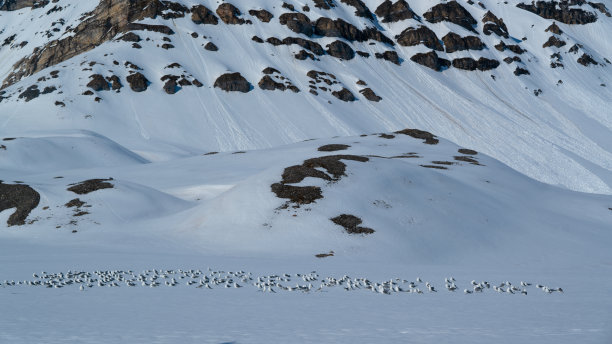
[(14, 5), (138, 82), (351, 223), (554, 28), (263, 15), (339, 28), (451, 12), (390, 56), (369, 94), (521, 71), (601, 7), (586, 60), (563, 13), (421, 35), (210, 46), (108, 19), (233, 82), (21, 197), (229, 14), (468, 63), (98, 83), (30, 93), (495, 25), (267, 83), (324, 4), (361, 10), (453, 42), (344, 95), (429, 138), (431, 60), (315, 47), (340, 50), (394, 12), (297, 22), (515, 48), (200, 14), (553, 41)]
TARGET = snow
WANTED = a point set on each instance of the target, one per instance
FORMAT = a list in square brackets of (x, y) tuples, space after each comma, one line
[(537, 208)]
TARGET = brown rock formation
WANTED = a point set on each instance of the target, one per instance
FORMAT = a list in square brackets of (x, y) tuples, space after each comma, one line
[(421, 35), (453, 42), (229, 14), (451, 12), (394, 12), (233, 82), (200, 14), (341, 50)]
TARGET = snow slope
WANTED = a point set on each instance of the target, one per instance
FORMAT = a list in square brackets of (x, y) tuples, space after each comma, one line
[(559, 137)]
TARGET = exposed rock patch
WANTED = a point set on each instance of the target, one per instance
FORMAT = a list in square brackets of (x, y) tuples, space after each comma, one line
[(19, 196), (233, 82), (369, 94), (421, 35), (453, 42), (394, 12), (345, 95), (553, 41), (361, 10), (482, 64), (431, 60), (351, 224), (451, 12), (230, 14), (429, 138), (340, 50), (390, 56), (138, 82), (333, 147), (200, 14), (563, 13), (263, 15), (98, 83), (30, 93), (297, 22), (90, 185)]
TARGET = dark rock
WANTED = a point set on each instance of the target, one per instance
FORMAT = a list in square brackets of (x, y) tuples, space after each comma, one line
[(468, 63), (554, 28), (130, 37), (451, 12), (303, 55), (324, 4), (274, 41), (521, 71), (431, 60), (200, 14), (421, 35), (49, 89), (257, 39), (315, 47), (515, 48), (267, 83), (467, 151), (344, 95), (75, 203), (361, 10), (553, 41), (19, 196), (586, 60), (210, 46), (167, 46), (394, 12), (363, 54), (98, 83), (297, 22), (138, 82), (494, 25), (390, 56), (339, 28), (429, 138), (332, 148), (270, 70), (601, 7), (297, 194), (288, 6), (233, 82), (229, 14), (563, 13), (453, 42), (115, 82), (370, 95), (171, 86), (351, 224), (154, 28), (30, 93), (262, 15), (340, 50), (90, 185), (194, 35), (136, 46)]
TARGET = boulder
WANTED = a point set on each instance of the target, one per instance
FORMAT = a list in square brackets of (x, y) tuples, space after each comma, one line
[(431, 60), (138, 82), (586, 60), (553, 41), (453, 42), (233, 82), (554, 28), (451, 12), (563, 13), (370, 95), (390, 56), (495, 25), (21, 197), (229, 14), (210, 46), (421, 35), (263, 15), (394, 12), (361, 10), (267, 83), (297, 22), (200, 14), (340, 50), (344, 95), (98, 83)]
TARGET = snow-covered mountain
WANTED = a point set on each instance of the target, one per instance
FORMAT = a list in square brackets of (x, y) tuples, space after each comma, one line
[(537, 101), (361, 143)]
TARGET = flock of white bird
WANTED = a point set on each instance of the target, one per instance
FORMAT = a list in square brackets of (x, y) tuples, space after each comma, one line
[(210, 279)]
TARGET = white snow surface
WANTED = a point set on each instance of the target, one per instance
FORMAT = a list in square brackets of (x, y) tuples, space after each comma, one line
[(537, 208)]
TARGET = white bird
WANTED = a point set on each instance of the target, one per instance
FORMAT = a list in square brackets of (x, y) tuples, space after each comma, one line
[(81, 288), (467, 291)]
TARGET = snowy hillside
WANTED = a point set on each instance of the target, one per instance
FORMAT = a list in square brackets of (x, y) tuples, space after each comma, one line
[(552, 124), (310, 171)]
